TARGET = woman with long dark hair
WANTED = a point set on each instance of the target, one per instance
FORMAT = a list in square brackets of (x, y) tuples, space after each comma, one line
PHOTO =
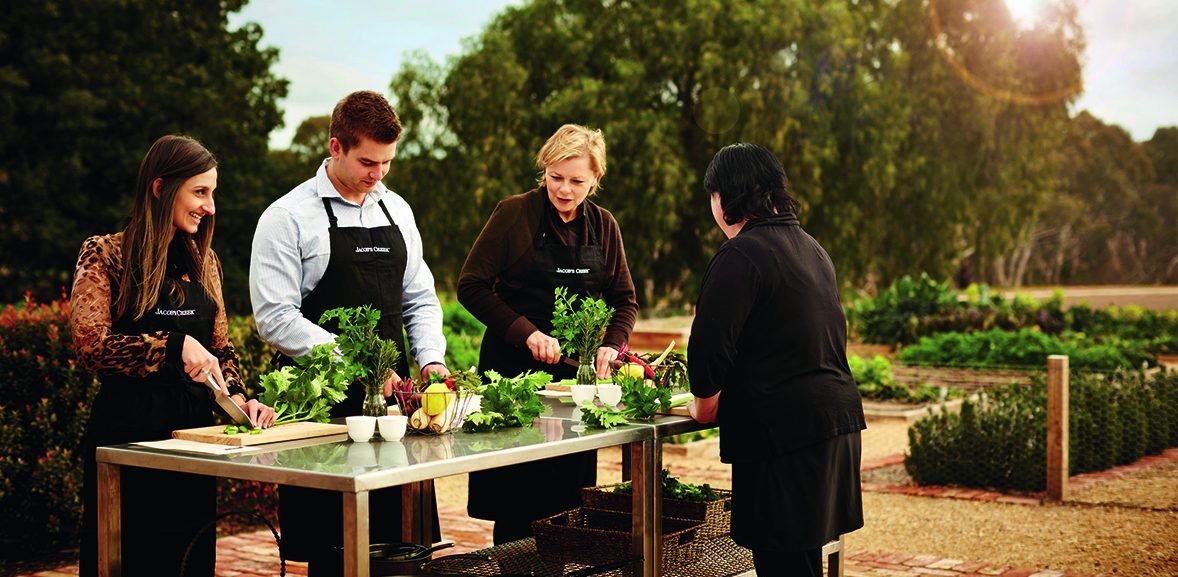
[(148, 318), (769, 333)]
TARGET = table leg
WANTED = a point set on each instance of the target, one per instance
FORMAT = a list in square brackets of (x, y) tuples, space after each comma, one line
[(417, 512), (646, 464), (356, 534), (110, 521)]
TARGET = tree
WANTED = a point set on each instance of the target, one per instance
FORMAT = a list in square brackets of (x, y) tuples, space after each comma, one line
[(86, 87), (874, 124)]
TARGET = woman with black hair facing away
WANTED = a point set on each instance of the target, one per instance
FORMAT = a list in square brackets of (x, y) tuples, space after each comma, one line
[(770, 335), (147, 316)]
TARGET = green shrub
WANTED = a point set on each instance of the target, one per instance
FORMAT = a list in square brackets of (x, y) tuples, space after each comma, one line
[(44, 406), (875, 381), (1001, 440), (1025, 348), (893, 316), (464, 335)]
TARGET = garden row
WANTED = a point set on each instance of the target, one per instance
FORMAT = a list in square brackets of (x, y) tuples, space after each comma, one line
[(911, 309)]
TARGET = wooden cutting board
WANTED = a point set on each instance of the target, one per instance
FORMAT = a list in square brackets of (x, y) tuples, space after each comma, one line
[(288, 432)]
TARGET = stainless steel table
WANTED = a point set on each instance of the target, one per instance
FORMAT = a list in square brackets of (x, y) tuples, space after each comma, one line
[(354, 469)]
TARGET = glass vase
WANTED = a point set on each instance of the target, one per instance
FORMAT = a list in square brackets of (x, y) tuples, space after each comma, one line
[(586, 372), (374, 403)]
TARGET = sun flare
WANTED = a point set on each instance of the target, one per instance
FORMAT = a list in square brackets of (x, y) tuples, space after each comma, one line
[(1026, 12)]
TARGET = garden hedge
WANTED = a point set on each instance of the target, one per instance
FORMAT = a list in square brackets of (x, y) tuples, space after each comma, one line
[(1000, 442)]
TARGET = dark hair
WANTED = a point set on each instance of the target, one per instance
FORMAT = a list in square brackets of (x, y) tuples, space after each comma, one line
[(364, 113), (174, 159), (751, 182)]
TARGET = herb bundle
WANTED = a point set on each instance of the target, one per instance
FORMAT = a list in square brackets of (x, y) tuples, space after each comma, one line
[(580, 328), (642, 402), (596, 417), (320, 379), (507, 402)]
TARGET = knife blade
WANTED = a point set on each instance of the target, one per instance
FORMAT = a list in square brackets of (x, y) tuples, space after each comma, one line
[(239, 417), (569, 362)]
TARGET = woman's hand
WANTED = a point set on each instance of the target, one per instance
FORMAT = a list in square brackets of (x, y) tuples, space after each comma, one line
[(394, 379), (605, 356), (199, 363), (260, 415), (544, 348), (705, 409)]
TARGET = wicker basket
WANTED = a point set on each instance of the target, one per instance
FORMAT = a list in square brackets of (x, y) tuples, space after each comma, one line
[(456, 406), (714, 517), (594, 537)]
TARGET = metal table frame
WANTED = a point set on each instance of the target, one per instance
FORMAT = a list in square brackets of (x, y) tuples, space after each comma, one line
[(641, 445)]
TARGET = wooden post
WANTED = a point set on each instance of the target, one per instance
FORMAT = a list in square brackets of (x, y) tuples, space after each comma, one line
[(1057, 427)]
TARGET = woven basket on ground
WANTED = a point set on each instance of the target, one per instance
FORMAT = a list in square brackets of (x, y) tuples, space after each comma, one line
[(715, 517), (595, 537)]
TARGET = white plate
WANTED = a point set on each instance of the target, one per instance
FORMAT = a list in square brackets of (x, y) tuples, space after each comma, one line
[(548, 393)]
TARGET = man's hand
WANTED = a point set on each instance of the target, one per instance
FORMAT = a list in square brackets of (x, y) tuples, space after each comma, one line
[(394, 379), (434, 369)]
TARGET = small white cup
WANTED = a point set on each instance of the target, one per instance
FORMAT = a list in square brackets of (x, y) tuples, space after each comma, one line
[(582, 393), (392, 427), (360, 429), (610, 394)]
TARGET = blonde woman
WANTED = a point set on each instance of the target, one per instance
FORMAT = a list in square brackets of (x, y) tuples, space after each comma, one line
[(148, 318), (534, 242)]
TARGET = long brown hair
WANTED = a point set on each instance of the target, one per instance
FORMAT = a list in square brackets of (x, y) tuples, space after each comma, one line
[(147, 237)]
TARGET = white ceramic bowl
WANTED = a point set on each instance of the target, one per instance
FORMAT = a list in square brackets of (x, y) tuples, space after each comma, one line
[(360, 429), (610, 394), (582, 393), (392, 427)]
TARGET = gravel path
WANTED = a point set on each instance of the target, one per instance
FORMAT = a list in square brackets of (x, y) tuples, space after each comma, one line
[(1139, 538)]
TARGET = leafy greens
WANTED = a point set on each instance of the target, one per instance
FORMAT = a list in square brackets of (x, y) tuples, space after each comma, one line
[(507, 402)]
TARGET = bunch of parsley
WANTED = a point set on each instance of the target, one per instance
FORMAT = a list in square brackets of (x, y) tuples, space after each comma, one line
[(605, 417), (642, 402), (507, 402), (320, 379), (580, 329)]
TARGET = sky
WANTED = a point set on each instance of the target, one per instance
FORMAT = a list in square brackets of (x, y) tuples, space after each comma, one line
[(329, 48)]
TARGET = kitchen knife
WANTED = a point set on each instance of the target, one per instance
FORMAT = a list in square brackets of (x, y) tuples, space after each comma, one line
[(239, 417)]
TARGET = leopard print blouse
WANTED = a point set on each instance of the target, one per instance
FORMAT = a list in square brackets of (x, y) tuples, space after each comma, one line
[(96, 281)]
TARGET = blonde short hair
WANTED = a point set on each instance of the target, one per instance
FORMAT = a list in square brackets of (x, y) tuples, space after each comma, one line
[(571, 141)]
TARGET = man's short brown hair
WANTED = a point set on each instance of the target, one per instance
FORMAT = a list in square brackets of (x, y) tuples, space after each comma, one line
[(364, 113)]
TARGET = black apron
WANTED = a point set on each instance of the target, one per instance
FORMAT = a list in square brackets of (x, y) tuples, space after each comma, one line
[(530, 491), (366, 267), (162, 510)]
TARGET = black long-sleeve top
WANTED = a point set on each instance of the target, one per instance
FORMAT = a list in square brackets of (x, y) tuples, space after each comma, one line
[(769, 332)]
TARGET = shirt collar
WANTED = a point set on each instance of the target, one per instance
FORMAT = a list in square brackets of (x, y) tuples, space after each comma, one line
[(783, 219), (325, 189)]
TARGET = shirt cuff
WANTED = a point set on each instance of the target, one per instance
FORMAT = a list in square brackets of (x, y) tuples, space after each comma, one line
[(519, 331), (430, 356), (235, 387)]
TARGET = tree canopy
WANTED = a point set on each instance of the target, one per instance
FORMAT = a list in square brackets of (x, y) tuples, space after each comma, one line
[(86, 87), (916, 134)]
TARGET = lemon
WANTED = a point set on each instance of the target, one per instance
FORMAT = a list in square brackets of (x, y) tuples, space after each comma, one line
[(632, 370), (436, 398)]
